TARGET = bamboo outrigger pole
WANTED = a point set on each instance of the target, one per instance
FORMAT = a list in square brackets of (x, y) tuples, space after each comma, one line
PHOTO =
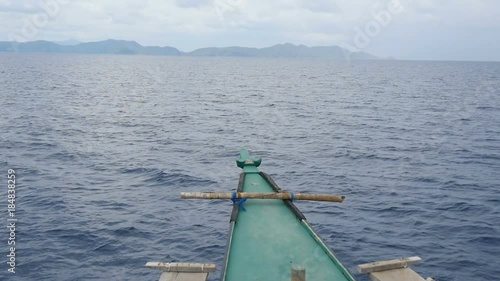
[(262, 195)]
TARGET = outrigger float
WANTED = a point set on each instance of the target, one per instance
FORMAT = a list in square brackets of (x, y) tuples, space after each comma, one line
[(271, 240)]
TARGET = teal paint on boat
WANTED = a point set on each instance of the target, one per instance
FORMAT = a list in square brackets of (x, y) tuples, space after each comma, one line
[(268, 238)]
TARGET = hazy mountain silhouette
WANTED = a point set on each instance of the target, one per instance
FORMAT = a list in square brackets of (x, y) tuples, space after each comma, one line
[(111, 46)]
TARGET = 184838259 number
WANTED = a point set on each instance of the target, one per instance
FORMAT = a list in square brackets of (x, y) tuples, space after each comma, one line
[(11, 193)]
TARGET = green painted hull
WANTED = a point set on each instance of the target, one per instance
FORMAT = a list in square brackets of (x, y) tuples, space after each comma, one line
[(271, 236)]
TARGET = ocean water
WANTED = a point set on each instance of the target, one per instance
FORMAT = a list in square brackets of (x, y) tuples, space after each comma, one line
[(103, 145)]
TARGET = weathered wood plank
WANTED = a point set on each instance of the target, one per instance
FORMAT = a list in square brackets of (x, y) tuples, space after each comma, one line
[(387, 265), (298, 273), (400, 274), (182, 267), (263, 195)]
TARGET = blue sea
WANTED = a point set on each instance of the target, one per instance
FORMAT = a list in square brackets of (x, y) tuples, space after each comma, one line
[(102, 145)]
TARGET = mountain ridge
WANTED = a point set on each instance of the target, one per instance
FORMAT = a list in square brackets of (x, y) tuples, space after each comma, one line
[(113, 46)]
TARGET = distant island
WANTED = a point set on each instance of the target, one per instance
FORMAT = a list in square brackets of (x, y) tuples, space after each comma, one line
[(112, 46)]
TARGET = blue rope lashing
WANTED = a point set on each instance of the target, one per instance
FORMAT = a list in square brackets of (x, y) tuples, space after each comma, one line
[(239, 202), (291, 196)]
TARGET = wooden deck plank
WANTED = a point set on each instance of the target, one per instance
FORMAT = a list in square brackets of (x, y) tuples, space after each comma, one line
[(387, 265), (182, 267)]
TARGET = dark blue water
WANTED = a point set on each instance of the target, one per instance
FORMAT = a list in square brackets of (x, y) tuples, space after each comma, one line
[(102, 146)]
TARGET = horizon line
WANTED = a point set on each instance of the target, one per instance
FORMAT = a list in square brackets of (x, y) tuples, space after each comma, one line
[(392, 58)]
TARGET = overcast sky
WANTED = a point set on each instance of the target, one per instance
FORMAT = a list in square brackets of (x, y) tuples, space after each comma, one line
[(412, 29)]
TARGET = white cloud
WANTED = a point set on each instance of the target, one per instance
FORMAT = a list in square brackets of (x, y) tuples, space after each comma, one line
[(197, 23)]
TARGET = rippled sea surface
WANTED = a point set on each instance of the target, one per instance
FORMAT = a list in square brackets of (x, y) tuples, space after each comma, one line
[(103, 145)]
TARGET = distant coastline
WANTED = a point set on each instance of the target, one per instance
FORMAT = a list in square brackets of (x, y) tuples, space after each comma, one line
[(112, 46)]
